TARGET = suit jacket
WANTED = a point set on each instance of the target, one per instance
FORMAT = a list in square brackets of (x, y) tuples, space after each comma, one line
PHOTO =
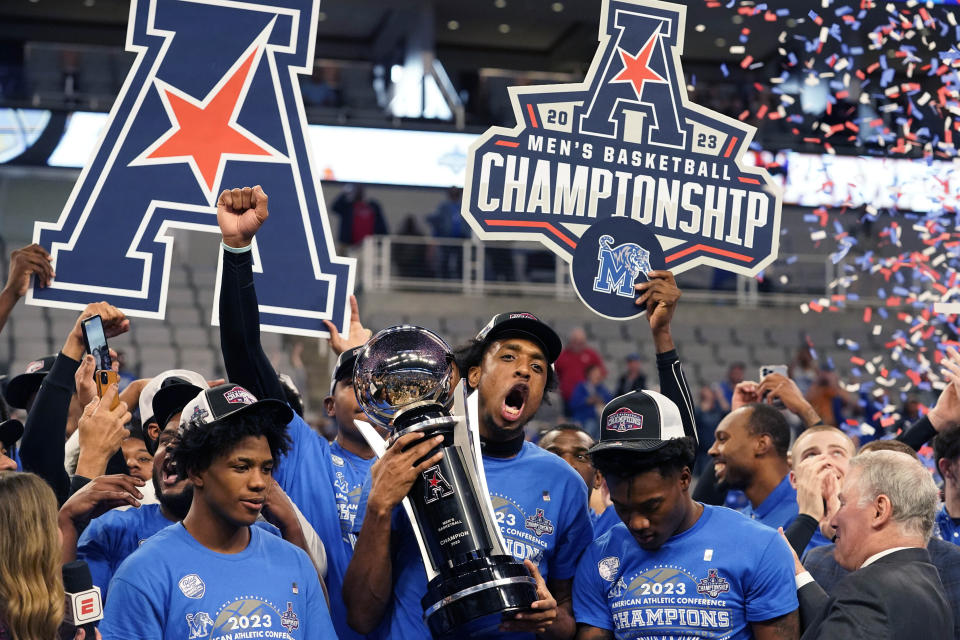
[(943, 555), (896, 597)]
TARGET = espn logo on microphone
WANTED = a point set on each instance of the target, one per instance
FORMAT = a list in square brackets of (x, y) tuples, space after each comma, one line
[(83, 607)]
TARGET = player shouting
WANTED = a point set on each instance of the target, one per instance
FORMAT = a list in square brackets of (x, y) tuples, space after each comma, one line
[(540, 501)]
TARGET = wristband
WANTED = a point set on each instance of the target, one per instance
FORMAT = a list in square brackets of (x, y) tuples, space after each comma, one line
[(235, 249)]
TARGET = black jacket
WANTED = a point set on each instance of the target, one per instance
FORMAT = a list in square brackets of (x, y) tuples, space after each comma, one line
[(898, 596)]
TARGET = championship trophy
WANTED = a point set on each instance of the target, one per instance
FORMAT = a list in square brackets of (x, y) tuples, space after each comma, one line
[(402, 379)]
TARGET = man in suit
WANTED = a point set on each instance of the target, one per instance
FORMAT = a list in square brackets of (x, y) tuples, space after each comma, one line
[(944, 556), (888, 504)]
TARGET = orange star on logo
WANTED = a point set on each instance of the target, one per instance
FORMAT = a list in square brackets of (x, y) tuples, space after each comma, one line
[(205, 134), (636, 69)]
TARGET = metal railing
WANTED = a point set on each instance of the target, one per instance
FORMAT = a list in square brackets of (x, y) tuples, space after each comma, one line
[(470, 267)]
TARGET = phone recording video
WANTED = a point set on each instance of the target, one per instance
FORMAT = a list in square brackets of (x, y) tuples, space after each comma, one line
[(95, 340)]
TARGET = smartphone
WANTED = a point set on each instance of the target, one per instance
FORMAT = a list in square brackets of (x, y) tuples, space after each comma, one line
[(766, 370), (105, 378), (95, 340)]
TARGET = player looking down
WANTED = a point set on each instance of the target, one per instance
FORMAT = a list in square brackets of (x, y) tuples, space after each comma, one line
[(674, 567), (214, 573)]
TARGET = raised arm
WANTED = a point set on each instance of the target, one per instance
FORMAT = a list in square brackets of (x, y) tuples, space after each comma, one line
[(661, 294), (44, 436), (32, 260), (240, 213), (945, 413), (775, 386)]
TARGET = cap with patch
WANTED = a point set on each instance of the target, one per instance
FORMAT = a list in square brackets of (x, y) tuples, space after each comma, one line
[(230, 400), (150, 390), (174, 393), (344, 367), (523, 324), (638, 421), (19, 388), (10, 431)]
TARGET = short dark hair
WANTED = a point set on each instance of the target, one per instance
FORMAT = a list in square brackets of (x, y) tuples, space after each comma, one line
[(765, 420), (136, 429), (947, 445), (195, 449), (567, 426), (670, 459), (471, 355)]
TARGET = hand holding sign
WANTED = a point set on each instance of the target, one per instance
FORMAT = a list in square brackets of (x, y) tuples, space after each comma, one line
[(240, 214)]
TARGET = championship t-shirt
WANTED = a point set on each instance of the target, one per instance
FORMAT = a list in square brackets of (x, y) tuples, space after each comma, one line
[(176, 589), (305, 472), (109, 539), (710, 581), (350, 471), (540, 504)]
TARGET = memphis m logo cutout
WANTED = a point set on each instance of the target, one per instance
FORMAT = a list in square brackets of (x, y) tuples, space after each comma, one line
[(621, 172), (211, 102)]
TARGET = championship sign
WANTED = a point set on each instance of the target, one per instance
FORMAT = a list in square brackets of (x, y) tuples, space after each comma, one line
[(211, 102), (621, 174)]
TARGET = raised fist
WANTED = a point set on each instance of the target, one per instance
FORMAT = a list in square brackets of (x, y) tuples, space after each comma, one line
[(240, 213)]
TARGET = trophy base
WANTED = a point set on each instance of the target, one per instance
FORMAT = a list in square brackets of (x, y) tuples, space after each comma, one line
[(472, 602)]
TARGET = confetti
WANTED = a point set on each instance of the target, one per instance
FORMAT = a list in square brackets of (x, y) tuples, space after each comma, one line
[(890, 73)]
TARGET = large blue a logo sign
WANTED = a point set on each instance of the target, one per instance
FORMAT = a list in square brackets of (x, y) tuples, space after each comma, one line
[(212, 102), (625, 146)]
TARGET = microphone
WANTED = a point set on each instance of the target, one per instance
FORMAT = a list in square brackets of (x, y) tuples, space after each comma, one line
[(83, 603)]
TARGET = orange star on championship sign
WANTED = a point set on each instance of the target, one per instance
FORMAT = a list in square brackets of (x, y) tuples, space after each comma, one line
[(203, 133), (636, 69)]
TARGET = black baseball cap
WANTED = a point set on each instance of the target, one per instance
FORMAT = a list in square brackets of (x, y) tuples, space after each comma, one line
[(19, 388), (525, 325), (10, 431), (344, 367), (172, 396), (638, 421), (230, 400)]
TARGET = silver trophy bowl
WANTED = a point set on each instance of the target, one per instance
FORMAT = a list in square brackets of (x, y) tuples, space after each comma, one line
[(400, 369)]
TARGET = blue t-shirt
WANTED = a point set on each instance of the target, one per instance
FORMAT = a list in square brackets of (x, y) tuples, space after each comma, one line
[(350, 472), (305, 472), (710, 581), (176, 589), (779, 509), (540, 504), (604, 522), (109, 539)]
